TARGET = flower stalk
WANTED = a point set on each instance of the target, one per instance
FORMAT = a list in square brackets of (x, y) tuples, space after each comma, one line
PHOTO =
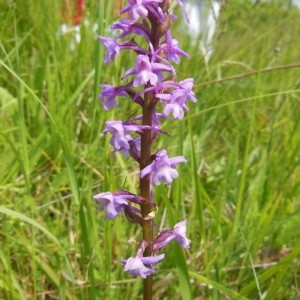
[(154, 88), (145, 160)]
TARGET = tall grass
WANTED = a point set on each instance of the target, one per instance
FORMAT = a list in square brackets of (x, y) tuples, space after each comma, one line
[(239, 191)]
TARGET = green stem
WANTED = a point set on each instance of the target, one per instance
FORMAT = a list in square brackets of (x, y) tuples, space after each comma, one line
[(145, 160)]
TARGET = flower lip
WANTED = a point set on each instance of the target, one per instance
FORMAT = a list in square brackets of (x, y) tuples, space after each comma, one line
[(140, 265), (114, 204), (163, 168), (112, 47), (146, 71)]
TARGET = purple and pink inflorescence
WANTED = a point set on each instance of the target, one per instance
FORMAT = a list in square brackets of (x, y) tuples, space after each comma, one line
[(152, 73)]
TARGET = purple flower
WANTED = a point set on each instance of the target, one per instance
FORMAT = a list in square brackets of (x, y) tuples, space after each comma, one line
[(112, 47), (175, 102), (137, 265), (114, 204), (167, 235), (171, 48), (146, 71), (163, 168), (109, 94), (139, 8), (120, 140), (179, 232), (118, 202)]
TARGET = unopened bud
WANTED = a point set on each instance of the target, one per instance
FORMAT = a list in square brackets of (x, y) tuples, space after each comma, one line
[(164, 26), (165, 5)]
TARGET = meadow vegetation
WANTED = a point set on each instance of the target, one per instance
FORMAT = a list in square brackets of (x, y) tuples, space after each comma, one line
[(240, 189)]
